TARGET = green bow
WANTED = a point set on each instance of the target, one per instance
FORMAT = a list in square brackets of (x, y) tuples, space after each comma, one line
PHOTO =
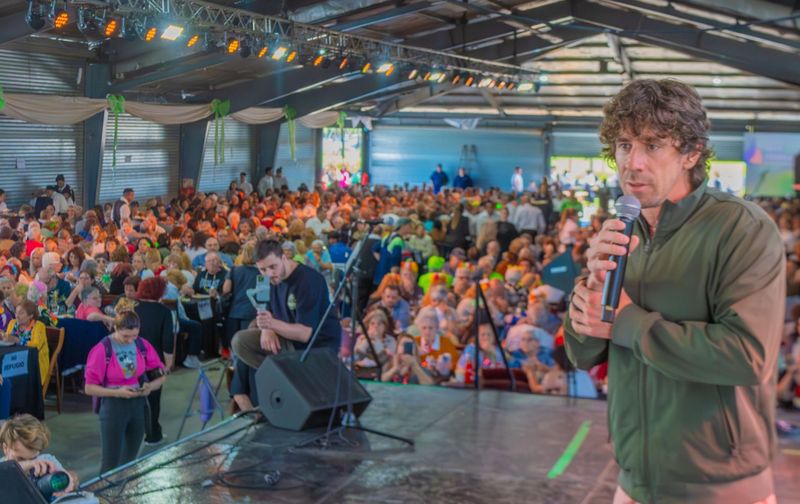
[(220, 108), (116, 104), (291, 115), (2, 99), (340, 124)]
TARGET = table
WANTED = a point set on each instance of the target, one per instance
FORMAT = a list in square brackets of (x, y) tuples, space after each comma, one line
[(80, 336), (20, 367)]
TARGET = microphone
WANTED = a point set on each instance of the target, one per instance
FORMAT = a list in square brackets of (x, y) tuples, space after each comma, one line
[(628, 209)]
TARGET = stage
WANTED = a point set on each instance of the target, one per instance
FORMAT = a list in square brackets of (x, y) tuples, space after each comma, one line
[(470, 447)]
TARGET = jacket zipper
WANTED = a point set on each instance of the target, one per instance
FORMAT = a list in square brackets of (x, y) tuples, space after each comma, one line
[(728, 424), (643, 381)]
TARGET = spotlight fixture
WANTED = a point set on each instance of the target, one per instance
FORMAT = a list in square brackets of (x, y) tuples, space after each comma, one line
[(109, 27), (543, 78), (60, 19), (34, 16), (366, 68), (172, 32), (413, 74), (436, 76), (525, 87), (233, 45), (427, 75), (263, 51), (280, 52), (484, 82), (150, 33), (291, 57), (511, 85), (456, 78), (86, 23), (502, 84), (470, 80), (343, 62), (318, 59), (386, 69), (192, 40)]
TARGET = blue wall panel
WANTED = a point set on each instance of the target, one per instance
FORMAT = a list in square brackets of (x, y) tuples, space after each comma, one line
[(400, 154)]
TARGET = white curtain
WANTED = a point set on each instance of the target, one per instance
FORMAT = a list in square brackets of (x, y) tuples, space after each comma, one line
[(466, 124), (50, 109), (319, 120), (168, 114), (258, 115)]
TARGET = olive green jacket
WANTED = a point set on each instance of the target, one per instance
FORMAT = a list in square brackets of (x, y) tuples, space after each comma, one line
[(693, 361)]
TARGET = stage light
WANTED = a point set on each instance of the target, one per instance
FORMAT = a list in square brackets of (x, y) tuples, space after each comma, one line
[(386, 68), (543, 78), (263, 51), (61, 19), (280, 52), (343, 63), (150, 34), (436, 76), (172, 32), (318, 60), (525, 86), (233, 45), (511, 85), (485, 82), (501, 85), (192, 40), (34, 16), (413, 74), (456, 78), (109, 28), (470, 81), (427, 75), (366, 68), (291, 57), (492, 83)]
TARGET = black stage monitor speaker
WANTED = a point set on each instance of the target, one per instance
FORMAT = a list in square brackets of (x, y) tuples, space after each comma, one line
[(298, 395), (17, 487)]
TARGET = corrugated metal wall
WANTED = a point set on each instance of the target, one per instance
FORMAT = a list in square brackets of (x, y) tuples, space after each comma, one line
[(44, 150), (587, 144), (239, 157), (304, 169), (400, 154), (147, 159)]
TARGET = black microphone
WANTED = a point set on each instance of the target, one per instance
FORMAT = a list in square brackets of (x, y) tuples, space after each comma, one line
[(628, 209)]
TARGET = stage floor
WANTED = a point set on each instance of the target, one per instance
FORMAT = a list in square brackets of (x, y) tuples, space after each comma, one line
[(487, 447)]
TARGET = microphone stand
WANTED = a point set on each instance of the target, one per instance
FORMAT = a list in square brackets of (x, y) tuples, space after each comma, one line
[(349, 419)]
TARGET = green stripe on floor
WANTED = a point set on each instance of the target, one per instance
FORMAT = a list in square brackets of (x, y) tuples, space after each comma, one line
[(572, 449)]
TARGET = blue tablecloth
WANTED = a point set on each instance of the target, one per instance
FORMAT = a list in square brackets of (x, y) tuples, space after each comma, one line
[(20, 370), (79, 338)]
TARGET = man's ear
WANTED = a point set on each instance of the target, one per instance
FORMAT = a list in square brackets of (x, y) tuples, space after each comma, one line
[(692, 157)]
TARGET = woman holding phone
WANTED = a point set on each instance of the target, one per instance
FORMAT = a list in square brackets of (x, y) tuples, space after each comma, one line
[(406, 367), (116, 372)]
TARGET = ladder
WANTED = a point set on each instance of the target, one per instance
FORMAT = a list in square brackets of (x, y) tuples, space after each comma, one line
[(468, 158)]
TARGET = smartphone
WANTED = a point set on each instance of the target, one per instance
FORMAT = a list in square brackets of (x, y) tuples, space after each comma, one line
[(408, 348)]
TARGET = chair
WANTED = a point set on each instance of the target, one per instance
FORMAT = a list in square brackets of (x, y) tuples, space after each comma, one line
[(55, 342), (497, 379), (109, 299)]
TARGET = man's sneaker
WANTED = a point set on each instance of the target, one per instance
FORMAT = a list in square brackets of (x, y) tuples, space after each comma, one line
[(191, 362), (155, 443)]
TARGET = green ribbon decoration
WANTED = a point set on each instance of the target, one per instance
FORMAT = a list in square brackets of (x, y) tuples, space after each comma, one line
[(116, 104), (220, 108), (2, 99), (340, 124), (291, 114)]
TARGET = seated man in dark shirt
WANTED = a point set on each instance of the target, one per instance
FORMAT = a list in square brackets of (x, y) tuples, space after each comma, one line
[(298, 300)]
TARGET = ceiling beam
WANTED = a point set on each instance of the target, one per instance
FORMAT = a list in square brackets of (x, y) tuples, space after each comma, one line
[(168, 71), (485, 29), (415, 98), (528, 48), (620, 56), (14, 27), (381, 17), (491, 100), (749, 57)]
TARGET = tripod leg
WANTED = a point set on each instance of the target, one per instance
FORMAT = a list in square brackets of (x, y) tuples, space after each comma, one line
[(189, 406)]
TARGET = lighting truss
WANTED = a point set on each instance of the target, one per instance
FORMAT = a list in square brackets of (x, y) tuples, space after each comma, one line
[(220, 19)]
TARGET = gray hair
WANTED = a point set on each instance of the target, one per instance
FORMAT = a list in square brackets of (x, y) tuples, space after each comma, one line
[(88, 291)]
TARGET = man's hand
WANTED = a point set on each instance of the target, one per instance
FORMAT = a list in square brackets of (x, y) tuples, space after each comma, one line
[(609, 241), (270, 341), (38, 467), (128, 393), (585, 311), (264, 320)]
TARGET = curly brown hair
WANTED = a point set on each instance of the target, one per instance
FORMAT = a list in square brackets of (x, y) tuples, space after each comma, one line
[(670, 108)]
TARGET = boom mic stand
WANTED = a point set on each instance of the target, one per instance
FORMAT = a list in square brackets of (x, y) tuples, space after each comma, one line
[(349, 419), (479, 296)]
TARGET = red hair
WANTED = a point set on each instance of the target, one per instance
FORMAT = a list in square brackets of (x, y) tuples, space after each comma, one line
[(151, 289)]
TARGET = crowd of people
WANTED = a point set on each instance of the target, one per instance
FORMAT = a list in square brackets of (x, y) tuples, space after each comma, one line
[(137, 267)]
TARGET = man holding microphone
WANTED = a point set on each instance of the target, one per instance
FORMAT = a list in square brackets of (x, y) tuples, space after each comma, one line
[(693, 347), (298, 300)]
